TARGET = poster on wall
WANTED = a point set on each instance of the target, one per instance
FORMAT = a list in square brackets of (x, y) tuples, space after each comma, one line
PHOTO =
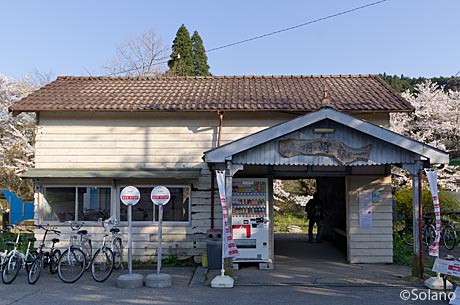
[(365, 209)]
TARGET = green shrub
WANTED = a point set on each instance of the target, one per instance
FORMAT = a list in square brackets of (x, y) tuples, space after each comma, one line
[(403, 205), (402, 254)]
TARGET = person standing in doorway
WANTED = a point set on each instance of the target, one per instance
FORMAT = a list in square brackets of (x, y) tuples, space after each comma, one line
[(315, 214)]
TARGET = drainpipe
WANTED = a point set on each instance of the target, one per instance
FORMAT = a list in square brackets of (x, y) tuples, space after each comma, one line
[(213, 174), (219, 133)]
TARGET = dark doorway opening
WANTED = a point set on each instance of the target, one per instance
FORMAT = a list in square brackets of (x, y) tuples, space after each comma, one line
[(331, 191)]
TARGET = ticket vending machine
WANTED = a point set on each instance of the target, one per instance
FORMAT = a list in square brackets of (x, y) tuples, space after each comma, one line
[(250, 220)]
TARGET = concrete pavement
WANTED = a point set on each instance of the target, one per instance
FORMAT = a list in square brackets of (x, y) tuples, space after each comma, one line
[(304, 274)]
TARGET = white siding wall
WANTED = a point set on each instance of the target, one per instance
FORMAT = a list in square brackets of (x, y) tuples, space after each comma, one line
[(147, 140), (144, 140), (137, 140), (373, 245)]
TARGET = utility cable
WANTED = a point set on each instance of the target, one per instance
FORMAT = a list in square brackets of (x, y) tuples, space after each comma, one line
[(269, 34)]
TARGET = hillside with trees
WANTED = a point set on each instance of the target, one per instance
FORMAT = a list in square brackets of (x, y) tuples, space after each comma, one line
[(403, 83)]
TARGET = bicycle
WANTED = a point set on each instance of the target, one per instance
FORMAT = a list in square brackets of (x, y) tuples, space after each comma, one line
[(448, 235), (102, 264), (50, 257), (116, 244), (428, 232), (72, 262), (4, 252), (16, 260)]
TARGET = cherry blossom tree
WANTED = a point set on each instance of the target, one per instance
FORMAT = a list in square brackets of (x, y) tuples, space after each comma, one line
[(435, 122), (16, 133), (283, 197)]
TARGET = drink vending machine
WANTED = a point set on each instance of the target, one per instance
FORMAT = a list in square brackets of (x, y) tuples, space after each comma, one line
[(250, 219)]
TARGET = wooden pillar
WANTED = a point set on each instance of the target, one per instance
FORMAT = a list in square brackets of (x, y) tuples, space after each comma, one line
[(415, 171)]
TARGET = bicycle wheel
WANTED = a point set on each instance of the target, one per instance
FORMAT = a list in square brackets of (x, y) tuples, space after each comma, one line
[(35, 269), (87, 249), (71, 265), (11, 269), (30, 258), (449, 237), (117, 250), (54, 258), (102, 264), (429, 235), (407, 235)]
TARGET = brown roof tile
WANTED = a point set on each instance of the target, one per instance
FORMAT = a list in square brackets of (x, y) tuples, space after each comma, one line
[(240, 93)]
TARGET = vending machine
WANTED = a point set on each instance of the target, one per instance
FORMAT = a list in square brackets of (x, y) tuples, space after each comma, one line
[(250, 219)]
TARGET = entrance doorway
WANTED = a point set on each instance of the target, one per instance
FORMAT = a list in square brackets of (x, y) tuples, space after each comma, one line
[(291, 223)]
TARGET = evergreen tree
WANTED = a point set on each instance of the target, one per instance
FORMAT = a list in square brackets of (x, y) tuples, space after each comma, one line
[(181, 62), (200, 59)]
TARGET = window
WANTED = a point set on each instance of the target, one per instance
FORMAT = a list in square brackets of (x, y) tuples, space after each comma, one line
[(84, 203), (177, 209)]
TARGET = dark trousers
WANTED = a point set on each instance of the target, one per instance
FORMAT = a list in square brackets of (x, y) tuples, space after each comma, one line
[(319, 228)]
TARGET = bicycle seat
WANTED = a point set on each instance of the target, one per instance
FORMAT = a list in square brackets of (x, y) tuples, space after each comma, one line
[(55, 240), (32, 239), (9, 243), (82, 232), (114, 230)]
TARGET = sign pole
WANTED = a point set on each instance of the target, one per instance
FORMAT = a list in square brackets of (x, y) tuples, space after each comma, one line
[(130, 240), (433, 250), (160, 236), (130, 196), (229, 248), (160, 196)]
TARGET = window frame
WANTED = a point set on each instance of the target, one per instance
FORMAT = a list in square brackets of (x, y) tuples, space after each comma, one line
[(140, 223), (75, 186)]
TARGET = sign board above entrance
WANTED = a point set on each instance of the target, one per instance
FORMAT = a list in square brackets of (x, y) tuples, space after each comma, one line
[(324, 147)]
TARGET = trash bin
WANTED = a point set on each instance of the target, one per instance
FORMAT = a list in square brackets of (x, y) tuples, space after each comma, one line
[(214, 248)]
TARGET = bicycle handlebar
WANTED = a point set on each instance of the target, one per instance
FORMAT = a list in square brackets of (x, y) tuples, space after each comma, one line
[(47, 228)]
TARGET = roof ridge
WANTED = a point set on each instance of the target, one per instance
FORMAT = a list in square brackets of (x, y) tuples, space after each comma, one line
[(104, 77)]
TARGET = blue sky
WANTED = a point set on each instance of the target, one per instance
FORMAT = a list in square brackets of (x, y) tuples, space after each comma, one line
[(410, 37)]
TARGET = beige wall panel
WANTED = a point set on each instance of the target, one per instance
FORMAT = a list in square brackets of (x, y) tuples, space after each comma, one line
[(375, 241)]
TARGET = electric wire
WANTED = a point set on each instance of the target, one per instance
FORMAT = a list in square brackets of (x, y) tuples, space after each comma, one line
[(268, 34)]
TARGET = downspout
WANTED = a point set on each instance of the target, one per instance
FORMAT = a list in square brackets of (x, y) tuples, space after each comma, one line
[(219, 132), (213, 174)]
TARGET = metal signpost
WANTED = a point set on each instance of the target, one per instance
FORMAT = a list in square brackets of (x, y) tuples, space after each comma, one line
[(130, 196), (160, 196)]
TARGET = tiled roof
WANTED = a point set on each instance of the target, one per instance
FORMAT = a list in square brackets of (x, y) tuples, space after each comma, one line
[(234, 93)]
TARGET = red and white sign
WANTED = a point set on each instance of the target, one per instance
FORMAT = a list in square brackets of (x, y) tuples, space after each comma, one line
[(130, 195), (160, 195), (229, 248), (449, 267), (433, 249)]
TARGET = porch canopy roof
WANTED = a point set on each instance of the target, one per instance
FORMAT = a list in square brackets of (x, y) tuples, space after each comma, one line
[(182, 174), (325, 138)]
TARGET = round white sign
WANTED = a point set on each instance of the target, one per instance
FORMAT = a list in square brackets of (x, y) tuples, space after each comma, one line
[(130, 195), (160, 195)]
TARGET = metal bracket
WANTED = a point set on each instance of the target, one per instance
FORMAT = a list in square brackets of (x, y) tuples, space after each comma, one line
[(234, 168)]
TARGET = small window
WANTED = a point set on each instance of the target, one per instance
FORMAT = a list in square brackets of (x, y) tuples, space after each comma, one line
[(177, 209), (84, 203)]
